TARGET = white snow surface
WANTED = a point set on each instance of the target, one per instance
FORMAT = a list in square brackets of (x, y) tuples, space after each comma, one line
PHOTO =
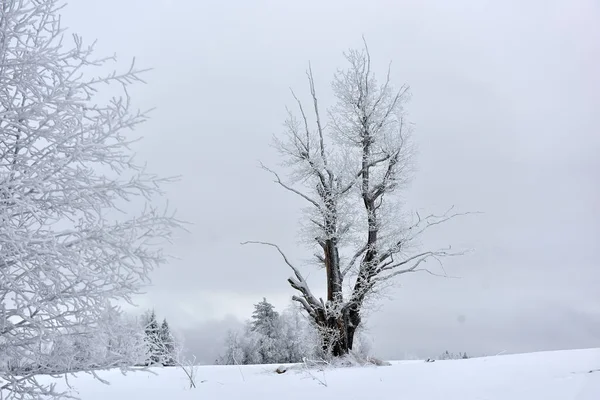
[(560, 375)]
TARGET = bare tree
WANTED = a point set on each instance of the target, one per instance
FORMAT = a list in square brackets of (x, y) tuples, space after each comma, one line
[(66, 252), (350, 172)]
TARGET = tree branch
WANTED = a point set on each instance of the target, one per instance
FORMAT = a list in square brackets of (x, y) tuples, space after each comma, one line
[(353, 259), (298, 283), (289, 188), (417, 229), (319, 126), (418, 259)]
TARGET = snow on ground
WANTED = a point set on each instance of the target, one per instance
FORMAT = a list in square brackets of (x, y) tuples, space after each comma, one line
[(560, 375)]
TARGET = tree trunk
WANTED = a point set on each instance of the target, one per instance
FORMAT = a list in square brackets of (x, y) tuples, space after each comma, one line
[(337, 334)]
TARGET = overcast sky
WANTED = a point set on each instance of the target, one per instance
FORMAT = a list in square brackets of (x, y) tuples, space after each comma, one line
[(505, 104)]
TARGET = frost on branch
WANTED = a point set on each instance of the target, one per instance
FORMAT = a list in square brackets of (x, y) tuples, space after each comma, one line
[(65, 169), (350, 169)]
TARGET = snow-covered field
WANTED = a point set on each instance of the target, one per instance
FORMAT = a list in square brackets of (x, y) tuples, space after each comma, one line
[(560, 375)]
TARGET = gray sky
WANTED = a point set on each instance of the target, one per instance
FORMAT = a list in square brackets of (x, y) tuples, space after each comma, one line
[(505, 101)]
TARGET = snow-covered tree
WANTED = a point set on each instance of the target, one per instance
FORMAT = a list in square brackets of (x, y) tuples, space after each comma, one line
[(270, 338), (265, 319), (168, 343), (267, 333), (350, 170), (234, 350), (161, 346), (125, 339), (66, 169), (120, 343), (299, 339), (153, 339)]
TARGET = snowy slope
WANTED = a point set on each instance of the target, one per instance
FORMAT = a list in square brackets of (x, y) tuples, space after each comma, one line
[(561, 375)]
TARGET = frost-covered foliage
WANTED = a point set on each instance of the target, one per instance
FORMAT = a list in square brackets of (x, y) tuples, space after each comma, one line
[(265, 330), (265, 319), (234, 349), (270, 337), (152, 337), (300, 339), (118, 342), (161, 346), (170, 347), (66, 252), (350, 169)]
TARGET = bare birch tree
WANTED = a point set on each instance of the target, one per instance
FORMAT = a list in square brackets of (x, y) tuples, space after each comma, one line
[(65, 166), (350, 170)]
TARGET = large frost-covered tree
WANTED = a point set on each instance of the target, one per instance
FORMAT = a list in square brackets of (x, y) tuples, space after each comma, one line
[(350, 169), (66, 252)]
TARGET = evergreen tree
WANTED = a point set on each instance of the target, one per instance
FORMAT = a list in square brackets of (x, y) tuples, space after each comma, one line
[(153, 342), (265, 325), (167, 344), (265, 319)]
